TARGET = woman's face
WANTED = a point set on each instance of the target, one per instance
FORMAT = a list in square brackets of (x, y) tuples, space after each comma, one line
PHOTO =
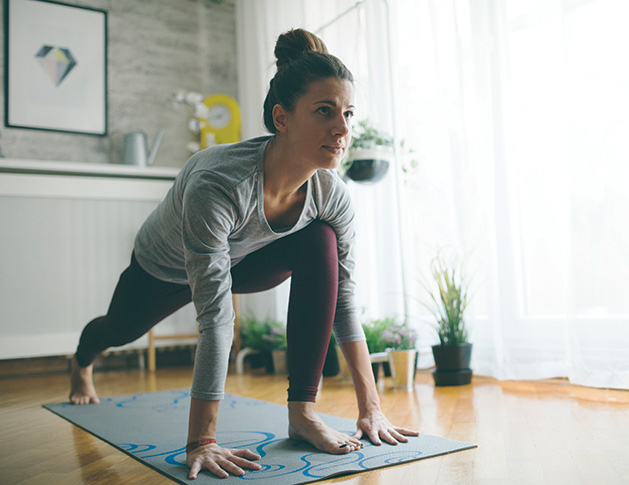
[(318, 130)]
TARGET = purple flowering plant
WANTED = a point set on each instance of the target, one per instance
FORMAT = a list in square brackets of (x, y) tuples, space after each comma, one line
[(276, 337), (399, 337)]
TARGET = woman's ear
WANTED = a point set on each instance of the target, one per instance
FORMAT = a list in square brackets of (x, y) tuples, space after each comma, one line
[(279, 118)]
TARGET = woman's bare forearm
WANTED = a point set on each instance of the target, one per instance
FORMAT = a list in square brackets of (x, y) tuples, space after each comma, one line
[(357, 357), (203, 419)]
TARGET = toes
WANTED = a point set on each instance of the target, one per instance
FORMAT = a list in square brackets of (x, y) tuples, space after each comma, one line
[(351, 445), (344, 449), (82, 400)]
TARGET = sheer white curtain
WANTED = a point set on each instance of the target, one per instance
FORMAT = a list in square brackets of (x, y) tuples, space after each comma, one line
[(352, 39), (519, 111)]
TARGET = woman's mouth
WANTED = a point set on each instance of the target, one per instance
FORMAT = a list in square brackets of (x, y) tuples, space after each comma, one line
[(336, 149)]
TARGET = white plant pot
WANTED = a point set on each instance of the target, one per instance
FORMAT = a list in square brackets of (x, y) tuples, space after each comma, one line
[(279, 362), (403, 365)]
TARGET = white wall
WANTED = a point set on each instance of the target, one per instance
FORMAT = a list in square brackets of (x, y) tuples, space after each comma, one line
[(155, 47)]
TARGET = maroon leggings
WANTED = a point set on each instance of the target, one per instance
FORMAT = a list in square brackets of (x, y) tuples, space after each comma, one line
[(140, 301)]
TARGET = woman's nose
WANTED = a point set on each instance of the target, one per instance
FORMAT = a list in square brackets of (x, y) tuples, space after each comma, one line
[(342, 126)]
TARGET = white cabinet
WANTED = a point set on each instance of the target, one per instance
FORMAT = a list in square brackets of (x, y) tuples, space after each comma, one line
[(66, 234)]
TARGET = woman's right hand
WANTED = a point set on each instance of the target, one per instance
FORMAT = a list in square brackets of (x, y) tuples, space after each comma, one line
[(220, 461)]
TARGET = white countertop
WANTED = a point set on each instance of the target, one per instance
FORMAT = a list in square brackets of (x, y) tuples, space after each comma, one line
[(8, 165)]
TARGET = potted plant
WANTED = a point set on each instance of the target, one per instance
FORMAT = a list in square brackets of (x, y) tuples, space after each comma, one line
[(332, 365), (268, 339), (277, 339), (400, 343), (377, 347), (369, 156), (453, 353)]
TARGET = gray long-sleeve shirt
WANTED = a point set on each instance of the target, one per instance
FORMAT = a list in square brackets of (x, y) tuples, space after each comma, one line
[(212, 218)]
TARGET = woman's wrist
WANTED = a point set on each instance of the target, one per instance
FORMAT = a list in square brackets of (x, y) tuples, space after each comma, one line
[(193, 445), (368, 407)]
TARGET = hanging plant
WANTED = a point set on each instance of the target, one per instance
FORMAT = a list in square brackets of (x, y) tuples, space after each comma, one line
[(369, 156)]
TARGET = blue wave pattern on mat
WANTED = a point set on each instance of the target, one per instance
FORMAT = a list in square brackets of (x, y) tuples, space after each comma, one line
[(151, 427)]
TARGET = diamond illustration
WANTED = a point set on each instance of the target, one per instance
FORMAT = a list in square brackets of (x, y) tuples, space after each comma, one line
[(57, 61)]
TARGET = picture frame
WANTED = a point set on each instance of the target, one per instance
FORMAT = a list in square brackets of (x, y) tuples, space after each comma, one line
[(55, 67)]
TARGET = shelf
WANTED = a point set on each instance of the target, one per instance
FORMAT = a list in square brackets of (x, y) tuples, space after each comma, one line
[(41, 167)]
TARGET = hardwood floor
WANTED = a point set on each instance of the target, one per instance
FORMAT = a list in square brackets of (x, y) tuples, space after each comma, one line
[(527, 432)]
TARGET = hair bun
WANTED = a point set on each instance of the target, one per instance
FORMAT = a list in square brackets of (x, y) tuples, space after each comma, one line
[(295, 43)]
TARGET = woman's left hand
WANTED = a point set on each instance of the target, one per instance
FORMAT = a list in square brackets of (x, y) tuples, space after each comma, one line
[(378, 428)]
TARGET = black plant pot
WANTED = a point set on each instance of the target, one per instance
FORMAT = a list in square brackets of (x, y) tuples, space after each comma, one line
[(375, 367), (267, 361), (331, 366), (262, 359), (386, 369), (453, 364), (445, 378), (368, 170)]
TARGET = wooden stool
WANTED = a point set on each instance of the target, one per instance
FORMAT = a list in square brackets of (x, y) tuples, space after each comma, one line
[(153, 338)]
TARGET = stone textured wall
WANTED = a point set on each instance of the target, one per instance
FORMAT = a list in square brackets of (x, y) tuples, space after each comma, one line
[(155, 47)]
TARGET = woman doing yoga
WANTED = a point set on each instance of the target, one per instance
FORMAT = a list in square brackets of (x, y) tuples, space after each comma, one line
[(242, 218)]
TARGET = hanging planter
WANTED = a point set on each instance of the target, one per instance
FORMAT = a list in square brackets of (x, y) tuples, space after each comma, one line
[(369, 165), (369, 155)]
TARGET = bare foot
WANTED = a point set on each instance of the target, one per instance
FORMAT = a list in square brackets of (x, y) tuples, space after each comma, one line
[(306, 425), (82, 389)]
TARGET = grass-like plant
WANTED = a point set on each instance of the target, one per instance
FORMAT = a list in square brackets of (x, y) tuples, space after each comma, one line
[(262, 335), (449, 302)]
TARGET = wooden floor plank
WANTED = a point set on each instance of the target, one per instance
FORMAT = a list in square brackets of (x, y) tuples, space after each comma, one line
[(546, 432)]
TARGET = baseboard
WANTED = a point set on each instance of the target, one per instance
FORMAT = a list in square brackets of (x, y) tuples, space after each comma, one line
[(171, 356)]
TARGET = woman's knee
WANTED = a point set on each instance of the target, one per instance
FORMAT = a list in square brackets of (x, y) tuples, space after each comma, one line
[(315, 248), (319, 234)]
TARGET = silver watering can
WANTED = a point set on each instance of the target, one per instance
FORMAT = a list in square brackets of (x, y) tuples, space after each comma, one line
[(136, 151)]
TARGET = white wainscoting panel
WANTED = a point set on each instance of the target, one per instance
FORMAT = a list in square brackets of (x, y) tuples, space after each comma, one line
[(64, 240)]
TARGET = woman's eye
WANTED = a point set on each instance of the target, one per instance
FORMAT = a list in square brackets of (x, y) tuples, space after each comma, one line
[(324, 110), (349, 114)]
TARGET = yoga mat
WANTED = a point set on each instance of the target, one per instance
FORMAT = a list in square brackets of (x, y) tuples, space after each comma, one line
[(152, 428)]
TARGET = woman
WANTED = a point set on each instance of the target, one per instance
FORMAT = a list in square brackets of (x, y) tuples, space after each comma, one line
[(243, 218)]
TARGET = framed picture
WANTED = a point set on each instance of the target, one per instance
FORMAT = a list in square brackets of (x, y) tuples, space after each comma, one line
[(55, 67)]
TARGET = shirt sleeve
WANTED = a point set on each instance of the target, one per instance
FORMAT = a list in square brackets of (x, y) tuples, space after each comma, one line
[(339, 213), (209, 216)]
